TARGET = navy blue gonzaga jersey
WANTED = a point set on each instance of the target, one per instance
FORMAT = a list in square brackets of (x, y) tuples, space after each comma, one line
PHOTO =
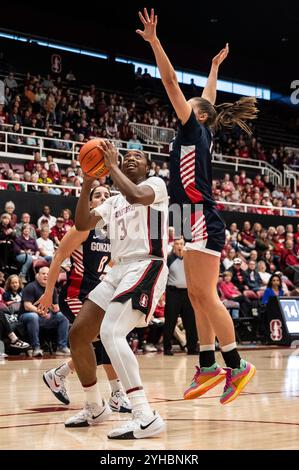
[(88, 265), (190, 165)]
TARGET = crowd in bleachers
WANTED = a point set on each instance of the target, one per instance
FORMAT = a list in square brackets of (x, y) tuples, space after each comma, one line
[(82, 113)]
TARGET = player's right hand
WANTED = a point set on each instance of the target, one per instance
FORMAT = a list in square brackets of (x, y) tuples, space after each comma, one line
[(44, 303), (150, 25)]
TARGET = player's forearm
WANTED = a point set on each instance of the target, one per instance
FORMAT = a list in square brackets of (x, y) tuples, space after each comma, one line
[(210, 90), (126, 187), (82, 216), (53, 273), (165, 67)]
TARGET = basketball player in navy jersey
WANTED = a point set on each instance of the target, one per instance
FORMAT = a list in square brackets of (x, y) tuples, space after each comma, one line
[(190, 189), (90, 255)]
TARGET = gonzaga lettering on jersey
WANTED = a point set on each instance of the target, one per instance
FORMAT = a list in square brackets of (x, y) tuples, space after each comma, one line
[(190, 164), (136, 230), (88, 265)]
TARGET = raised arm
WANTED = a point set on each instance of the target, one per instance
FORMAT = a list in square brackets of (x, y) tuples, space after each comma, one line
[(84, 218), (209, 92), (72, 240), (167, 72)]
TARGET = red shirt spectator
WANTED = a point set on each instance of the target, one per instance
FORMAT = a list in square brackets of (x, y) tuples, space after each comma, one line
[(58, 231)]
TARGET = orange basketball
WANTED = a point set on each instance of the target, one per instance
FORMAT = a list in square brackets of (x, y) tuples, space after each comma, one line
[(92, 160)]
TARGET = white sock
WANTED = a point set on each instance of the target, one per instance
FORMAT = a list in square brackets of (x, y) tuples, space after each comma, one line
[(207, 347), (13, 337), (139, 402), (63, 370), (92, 395), (115, 385), (229, 347)]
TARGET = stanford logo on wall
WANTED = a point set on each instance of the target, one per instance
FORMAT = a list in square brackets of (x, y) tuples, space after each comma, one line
[(276, 330), (56, 63)]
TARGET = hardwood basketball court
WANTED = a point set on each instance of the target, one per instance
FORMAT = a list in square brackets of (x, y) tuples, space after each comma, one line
[(265, 416)]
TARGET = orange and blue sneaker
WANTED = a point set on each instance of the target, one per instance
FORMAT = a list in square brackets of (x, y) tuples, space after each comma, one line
[(204, 379), (236, 379)]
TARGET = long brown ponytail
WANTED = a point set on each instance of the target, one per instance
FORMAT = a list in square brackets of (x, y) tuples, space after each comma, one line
[(227, 114), (231, 114)]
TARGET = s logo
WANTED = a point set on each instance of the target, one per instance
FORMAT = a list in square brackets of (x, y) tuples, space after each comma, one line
[(143, 300), (276, 330)]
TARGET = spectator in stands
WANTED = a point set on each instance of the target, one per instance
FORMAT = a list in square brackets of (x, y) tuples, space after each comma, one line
[(43, 178), (48, 82), (70, 77), (33, 320), (7, 232), (228, 261), (290, 211), (31, 165), (230, 292), (268, 258), (50, 161), (53, 174), (34, 187), (6, 332), (247, 237), (25, 220), (164, 172), (239, 276), (58, 231), (15, 138), (264, 275), (45, 244), (253, 280), (10, 209), (25, 249), (16, 186), (13, 294), (10, 82), (134, 143), (152, 171), (274, 288), (66, 214), (46, 216)]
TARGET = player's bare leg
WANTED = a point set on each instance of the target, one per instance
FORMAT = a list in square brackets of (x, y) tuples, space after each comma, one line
[(212, 318)]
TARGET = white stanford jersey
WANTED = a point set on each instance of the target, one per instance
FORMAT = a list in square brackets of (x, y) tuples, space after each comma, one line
[(136, 230)]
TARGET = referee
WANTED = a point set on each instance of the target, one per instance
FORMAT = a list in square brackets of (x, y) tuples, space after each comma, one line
[(177, 301)]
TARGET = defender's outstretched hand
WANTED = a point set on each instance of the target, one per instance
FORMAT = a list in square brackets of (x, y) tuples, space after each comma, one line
[(221, 56), (150, 25)]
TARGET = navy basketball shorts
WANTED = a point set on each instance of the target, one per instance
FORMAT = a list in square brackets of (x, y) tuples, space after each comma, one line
[(206, 231)]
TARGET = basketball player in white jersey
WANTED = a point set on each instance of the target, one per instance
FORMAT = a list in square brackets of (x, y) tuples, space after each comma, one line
[(128, 295)]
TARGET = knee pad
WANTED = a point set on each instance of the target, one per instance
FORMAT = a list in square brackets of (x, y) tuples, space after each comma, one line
[(101, 354)]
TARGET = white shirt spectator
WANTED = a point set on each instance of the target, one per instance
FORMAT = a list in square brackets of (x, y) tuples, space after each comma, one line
[(164, 172), (88, 101), (50, 218), (46, 245)]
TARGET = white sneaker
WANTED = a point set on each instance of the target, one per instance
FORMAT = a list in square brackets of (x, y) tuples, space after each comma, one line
[(63, 352), (56, 384), (150, 348), (119, 402), (37, 352), (140, 427), (90, 415)]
